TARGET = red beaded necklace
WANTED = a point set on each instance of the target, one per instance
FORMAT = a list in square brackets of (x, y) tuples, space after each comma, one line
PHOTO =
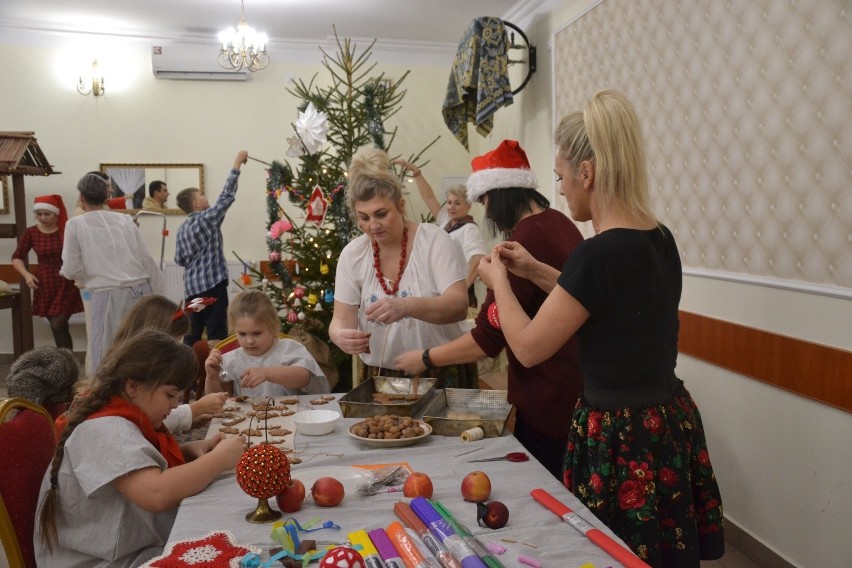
[(377, 264)]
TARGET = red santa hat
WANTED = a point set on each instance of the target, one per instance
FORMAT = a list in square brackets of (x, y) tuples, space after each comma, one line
[(505, 166), (54, 204)]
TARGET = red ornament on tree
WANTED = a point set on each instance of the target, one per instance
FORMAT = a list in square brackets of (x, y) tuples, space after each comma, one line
[(299, 291), (292, 316), (317, 206)]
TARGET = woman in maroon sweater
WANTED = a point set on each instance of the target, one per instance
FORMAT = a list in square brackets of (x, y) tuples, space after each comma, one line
[(543, 394)]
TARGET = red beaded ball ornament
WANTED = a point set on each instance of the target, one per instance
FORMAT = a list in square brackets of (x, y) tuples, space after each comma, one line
[(342, 557), (263, 471)]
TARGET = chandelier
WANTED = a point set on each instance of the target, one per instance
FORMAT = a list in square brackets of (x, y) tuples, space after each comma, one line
[(243, 47)]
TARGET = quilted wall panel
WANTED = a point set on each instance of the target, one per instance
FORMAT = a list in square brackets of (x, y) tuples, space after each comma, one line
[(746, 108)]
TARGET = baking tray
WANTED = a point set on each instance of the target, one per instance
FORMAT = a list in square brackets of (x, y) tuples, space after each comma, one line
[(359, 402), (453, 411)]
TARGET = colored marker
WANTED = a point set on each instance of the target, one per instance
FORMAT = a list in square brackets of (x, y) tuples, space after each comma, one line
[(412, 521), (480, 549), (446, 534), (406, 548), (368, 551), (386, 549)]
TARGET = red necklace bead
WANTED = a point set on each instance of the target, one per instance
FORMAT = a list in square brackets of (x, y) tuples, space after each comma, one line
[(377, 264)]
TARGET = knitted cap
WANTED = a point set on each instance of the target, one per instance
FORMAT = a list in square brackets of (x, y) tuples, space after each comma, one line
[(45, 375), (505, 166), (54, 204)]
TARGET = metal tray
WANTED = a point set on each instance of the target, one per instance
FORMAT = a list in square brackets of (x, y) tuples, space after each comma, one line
[(359, 402), (455, 410)]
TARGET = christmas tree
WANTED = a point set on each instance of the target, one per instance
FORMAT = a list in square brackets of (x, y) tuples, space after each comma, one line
[(334, 121)]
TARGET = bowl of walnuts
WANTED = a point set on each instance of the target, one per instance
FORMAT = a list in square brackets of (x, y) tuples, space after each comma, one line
[(389, 431)]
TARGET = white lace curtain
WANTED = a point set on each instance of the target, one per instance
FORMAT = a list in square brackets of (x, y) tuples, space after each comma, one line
[(129, 182)]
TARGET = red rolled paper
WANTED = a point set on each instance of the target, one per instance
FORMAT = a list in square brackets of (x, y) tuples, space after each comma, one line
[(595, 535)]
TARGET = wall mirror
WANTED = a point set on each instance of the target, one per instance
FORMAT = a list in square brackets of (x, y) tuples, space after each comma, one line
[(4, 194), (131, 181)]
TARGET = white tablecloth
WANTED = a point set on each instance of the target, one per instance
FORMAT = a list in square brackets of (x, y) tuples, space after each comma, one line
[(538, 532)]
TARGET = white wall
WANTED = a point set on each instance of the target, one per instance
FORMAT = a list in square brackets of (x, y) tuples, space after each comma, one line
[(142, 119), (782, 460)]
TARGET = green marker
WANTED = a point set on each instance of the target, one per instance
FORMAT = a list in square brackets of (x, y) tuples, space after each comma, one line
[(468, 536)]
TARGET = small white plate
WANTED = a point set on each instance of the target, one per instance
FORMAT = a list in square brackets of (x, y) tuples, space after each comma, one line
[(393, 443), (350, 477)]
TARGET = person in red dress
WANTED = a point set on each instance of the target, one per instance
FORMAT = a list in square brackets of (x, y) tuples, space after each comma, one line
[(54, 297)]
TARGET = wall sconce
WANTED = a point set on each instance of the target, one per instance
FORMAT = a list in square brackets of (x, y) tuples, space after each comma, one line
[(96, 86)]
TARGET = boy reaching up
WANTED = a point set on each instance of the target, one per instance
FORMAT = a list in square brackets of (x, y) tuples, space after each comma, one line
[(198, 248)]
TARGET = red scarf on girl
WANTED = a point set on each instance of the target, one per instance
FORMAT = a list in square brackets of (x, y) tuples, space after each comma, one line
[(160, 438)]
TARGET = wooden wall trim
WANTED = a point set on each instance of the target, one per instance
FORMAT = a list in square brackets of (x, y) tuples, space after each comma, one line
[(10, 275), (816, 371)]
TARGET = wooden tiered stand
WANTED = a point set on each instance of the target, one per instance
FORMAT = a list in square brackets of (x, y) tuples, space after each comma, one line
[(20, 156)]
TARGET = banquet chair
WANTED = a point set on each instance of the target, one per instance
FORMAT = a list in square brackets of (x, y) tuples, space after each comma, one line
[(27, 444)]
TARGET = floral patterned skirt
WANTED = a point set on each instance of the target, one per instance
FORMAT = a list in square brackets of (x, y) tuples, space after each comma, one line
[(645, 472)]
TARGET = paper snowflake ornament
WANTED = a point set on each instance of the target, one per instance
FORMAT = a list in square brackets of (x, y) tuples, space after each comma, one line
[(312, 127), (317, 206), (216, 550)]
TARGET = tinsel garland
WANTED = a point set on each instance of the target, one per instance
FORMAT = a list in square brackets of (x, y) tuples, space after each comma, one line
[(279, 178)]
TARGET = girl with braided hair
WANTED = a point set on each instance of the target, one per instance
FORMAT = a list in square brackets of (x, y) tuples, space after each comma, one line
[(111, 494)]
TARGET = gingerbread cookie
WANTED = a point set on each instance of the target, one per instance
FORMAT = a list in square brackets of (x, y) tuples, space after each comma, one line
[(233, 421)]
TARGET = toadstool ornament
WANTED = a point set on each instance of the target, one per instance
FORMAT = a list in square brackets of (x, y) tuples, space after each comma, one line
[(342, 557)]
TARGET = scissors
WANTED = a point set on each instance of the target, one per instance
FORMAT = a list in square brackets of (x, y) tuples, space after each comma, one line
[(512, 457)]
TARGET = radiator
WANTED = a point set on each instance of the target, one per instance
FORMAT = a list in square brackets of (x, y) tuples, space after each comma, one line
[(174, 280), (173, 284)]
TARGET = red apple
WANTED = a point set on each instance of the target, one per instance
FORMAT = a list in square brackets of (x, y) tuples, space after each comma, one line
[(291, 497), (476, 486), (493, 515), (418, 485), (327, 492)]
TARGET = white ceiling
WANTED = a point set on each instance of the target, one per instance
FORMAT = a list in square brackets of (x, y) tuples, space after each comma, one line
[(284, 21)]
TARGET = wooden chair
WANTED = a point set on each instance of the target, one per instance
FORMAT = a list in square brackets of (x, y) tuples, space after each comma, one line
[(27, 444)]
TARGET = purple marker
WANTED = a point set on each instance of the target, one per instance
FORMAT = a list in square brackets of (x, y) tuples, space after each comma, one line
[(445, 533), (386, 548)]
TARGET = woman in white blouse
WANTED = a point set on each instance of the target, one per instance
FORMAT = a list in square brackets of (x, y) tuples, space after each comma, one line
[(105, 253), (400, 285)]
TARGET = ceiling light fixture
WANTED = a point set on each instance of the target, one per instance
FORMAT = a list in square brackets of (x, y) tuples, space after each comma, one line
[(243, 47), (93, 86)]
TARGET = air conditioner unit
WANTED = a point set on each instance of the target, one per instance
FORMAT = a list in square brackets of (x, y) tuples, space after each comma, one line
[(191, 62)]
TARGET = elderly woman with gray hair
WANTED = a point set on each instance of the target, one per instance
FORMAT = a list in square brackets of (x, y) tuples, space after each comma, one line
[(105, 253), (454, 216), (46, 376)]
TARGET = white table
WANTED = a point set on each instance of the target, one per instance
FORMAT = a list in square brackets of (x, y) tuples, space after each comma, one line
[(223, 505)]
